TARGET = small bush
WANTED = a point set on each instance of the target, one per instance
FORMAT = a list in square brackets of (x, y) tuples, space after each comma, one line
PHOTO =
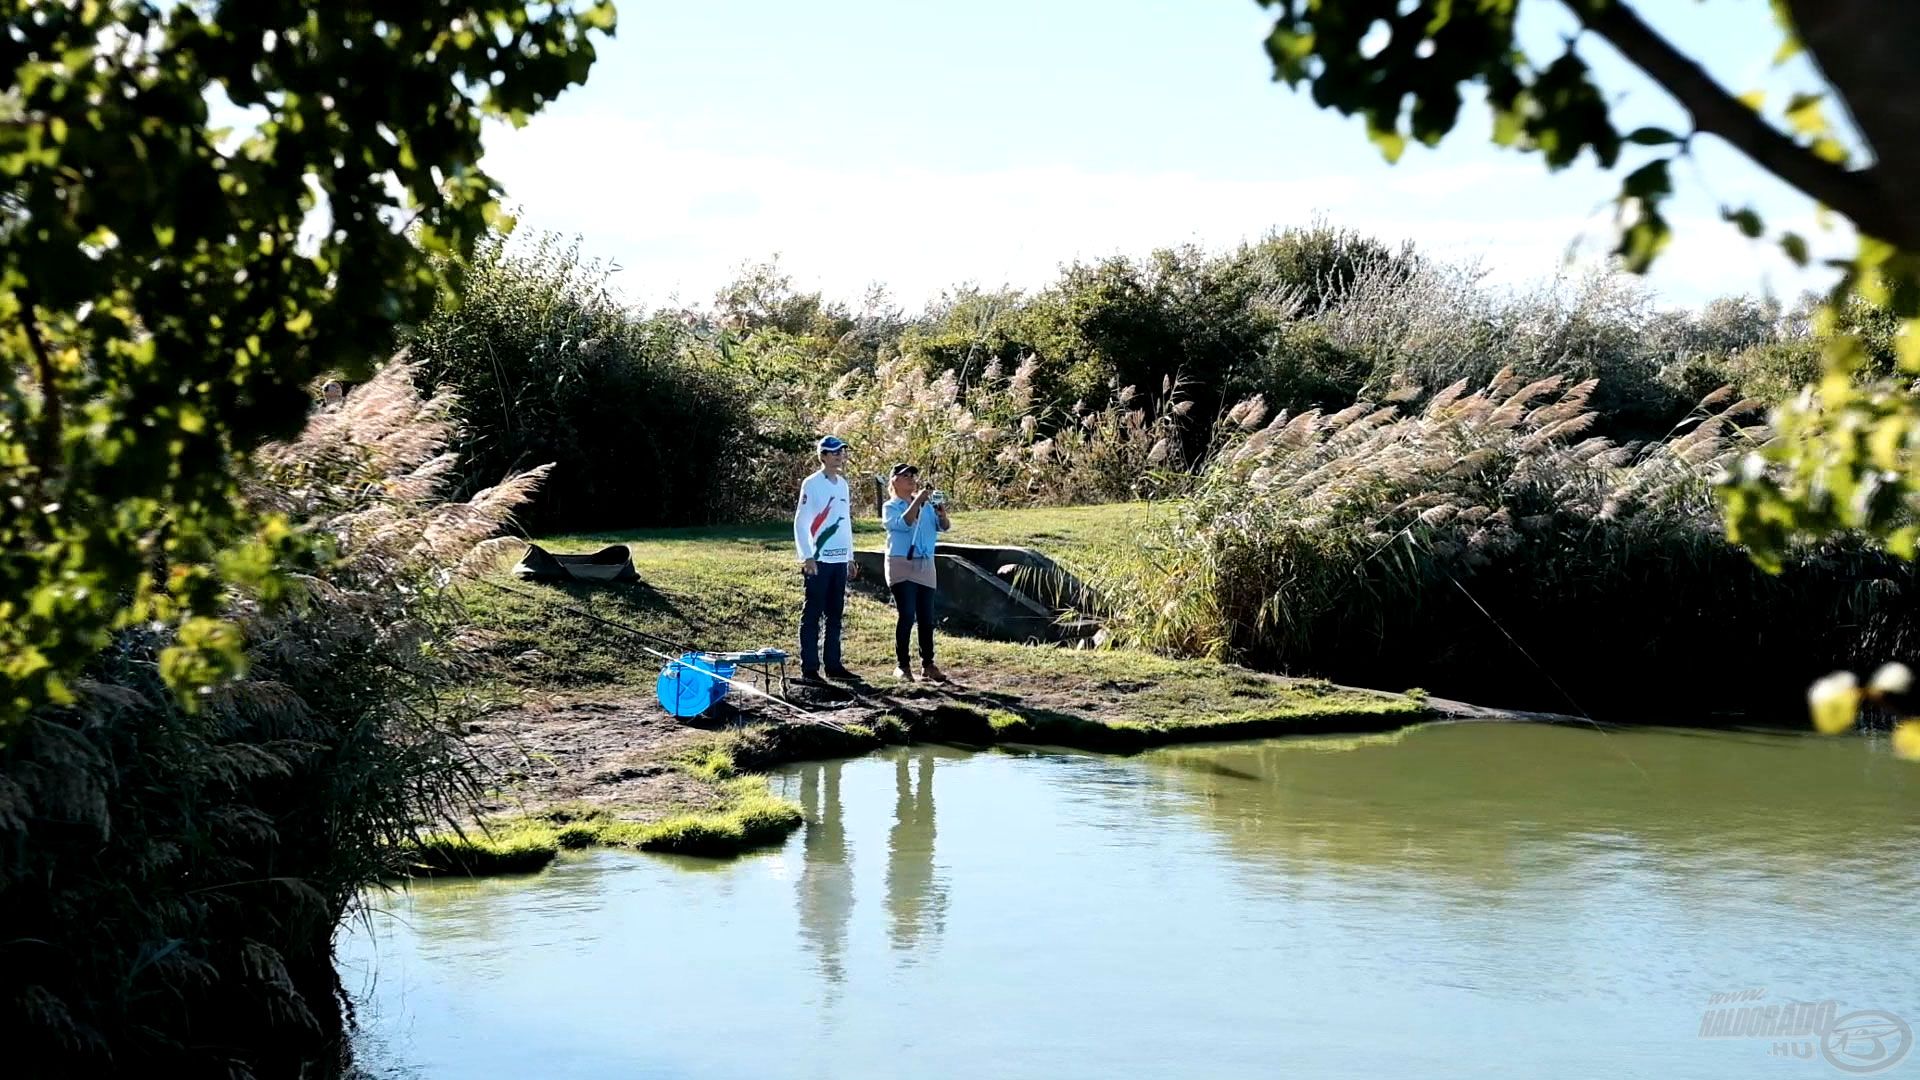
[(479, 854)]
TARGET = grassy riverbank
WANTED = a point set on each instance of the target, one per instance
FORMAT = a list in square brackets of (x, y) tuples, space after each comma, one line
[(578, 753)]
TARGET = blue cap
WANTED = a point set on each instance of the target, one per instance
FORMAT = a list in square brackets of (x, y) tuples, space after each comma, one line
[(831, 443)]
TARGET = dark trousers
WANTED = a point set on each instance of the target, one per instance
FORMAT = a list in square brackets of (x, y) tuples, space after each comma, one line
[(915, 604), (826, 595)]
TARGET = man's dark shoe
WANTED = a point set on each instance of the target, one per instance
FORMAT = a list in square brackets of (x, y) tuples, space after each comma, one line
[(808, 677), (842, 674)]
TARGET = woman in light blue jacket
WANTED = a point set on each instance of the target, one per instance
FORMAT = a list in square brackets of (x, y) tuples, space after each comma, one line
[(914, 517)]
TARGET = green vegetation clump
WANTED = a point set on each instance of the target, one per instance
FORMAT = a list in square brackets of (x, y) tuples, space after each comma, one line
[(1488, 546), (518, 849), (749, 817), (548, 366), (178, 874)]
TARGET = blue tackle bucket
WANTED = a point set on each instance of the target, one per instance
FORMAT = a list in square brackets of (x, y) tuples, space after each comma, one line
[(692, 684)]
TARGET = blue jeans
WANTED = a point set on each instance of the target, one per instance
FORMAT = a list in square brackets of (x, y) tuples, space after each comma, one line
[(826, 595)]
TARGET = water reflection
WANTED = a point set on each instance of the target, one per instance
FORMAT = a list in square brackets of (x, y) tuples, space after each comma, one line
[(915, 897), (457, 916), (1475, 812), (825, 884), (916, 900)]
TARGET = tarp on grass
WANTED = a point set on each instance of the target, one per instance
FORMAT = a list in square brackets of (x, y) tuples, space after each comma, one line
[(611, 563)]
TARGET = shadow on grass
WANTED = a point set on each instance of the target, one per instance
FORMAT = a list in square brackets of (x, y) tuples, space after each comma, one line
[(614, 602), (630, 596)]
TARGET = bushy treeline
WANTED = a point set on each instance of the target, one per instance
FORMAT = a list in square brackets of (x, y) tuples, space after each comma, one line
[(1097, 386)]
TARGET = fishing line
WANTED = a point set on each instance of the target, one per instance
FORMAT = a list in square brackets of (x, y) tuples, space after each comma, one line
[(1511, 640), (1541, 668), (811, 717)]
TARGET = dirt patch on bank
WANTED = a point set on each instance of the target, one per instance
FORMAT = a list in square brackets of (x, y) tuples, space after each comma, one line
[(624, 755), (615, 755)]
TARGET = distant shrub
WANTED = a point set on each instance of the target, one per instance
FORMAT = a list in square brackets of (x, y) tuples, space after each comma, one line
[(1209, 320), (1418, 331), (550, 367), (1301, 368)]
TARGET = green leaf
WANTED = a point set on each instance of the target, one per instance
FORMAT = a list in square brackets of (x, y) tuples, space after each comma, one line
[(1789, 37), (1907, 346), (1646, 236), (1643, 241), (1748, 221), (1806, 115), (601, 16), (1391, 143), (1652, 136), (1796, 248), (1508, 126), (1289, 51), (1649, 181)]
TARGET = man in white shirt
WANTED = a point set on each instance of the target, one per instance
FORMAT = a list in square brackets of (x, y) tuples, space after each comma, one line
[(823, 538)]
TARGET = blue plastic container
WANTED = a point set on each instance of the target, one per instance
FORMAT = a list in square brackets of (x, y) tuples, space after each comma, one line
[(692, 684)]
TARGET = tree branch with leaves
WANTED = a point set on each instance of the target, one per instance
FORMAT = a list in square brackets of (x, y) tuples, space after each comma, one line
[(168, 290), (1843, 453)]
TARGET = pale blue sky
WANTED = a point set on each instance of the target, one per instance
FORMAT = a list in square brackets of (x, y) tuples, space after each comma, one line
[(923, 145)]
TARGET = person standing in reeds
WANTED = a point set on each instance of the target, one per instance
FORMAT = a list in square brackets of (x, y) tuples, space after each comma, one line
[(914, 517), (823, 537)]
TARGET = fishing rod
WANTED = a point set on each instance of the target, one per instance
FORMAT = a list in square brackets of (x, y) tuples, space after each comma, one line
[(810, 717)]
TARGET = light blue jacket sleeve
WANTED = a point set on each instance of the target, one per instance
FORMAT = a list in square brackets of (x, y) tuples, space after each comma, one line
[(899, 534)]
